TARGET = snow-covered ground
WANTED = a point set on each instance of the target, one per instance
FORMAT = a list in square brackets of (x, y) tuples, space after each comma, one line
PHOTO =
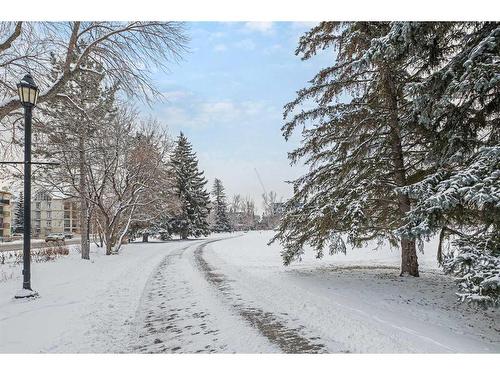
[(230, 293), (357, 302), (84, 306)]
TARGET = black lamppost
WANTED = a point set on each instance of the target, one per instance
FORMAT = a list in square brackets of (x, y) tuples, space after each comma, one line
[(28, 94)]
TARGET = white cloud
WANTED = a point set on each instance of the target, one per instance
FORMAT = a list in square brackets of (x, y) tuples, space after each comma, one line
[(214, 113), (220, 47), (262, 27), (247, 44), (175, 95), (218, 106), (271, 49), (216, 35), (175, 117), (253, 108)]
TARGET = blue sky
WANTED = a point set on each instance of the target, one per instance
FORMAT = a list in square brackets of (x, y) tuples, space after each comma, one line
[(227, 96)]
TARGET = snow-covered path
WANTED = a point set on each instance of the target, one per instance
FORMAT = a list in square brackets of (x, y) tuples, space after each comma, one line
[(230, 293), (180, 313)]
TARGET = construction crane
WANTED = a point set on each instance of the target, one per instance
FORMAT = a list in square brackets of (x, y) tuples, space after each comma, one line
[(261, 183), (268, 204)]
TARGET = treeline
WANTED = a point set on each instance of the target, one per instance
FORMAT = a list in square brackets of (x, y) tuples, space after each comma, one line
[(401, 136)]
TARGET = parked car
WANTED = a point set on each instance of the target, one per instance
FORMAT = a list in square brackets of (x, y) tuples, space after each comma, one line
[(68, 235), (55, 237)]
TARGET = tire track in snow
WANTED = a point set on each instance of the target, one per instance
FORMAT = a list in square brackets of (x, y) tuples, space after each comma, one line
[(276, 330)]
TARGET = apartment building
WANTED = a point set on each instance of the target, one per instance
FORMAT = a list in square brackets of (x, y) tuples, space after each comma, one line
[(5, 215), (51, 212)]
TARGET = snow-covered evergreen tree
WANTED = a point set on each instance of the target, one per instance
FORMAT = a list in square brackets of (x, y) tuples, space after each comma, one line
[(430, 89), (19, 215), (455, 106), (356, 146), (219, 206), (194, 200)]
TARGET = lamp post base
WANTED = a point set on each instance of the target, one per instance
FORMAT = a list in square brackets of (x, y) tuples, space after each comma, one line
[(26, 293)]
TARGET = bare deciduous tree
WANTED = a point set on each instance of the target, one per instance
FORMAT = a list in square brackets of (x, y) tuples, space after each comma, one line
[(127, 51), (128, 178)]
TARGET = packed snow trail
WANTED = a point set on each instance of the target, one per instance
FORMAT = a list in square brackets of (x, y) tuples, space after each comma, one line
[(274, 328), (186, 308)]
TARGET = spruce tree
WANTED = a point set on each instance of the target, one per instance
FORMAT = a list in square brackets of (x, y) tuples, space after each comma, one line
[(455, 106), (19, 214), (221, 219), (194, 200), (358, 150)]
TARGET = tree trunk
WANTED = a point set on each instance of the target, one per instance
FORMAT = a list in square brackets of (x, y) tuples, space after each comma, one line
[(409, 263), (84, 229), (101, 239), (108, 238), (109, 244), (184, 234), (145, 237), (84, 214), (89, 221), (109, 248)]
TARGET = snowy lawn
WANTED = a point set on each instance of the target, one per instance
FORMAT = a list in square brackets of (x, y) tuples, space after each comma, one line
[(357, 302)]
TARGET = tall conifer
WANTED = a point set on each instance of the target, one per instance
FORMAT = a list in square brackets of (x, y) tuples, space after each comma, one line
[(221, 218), (194, 200), (357, 148)]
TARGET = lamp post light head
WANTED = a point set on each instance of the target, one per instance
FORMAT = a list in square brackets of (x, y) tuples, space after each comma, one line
[(28, 91)]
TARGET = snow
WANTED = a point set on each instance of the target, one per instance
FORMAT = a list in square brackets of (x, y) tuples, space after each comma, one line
[(231, 293), (83, 305), (25, 293), (180, 313), (19, 241), (357, 301)]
